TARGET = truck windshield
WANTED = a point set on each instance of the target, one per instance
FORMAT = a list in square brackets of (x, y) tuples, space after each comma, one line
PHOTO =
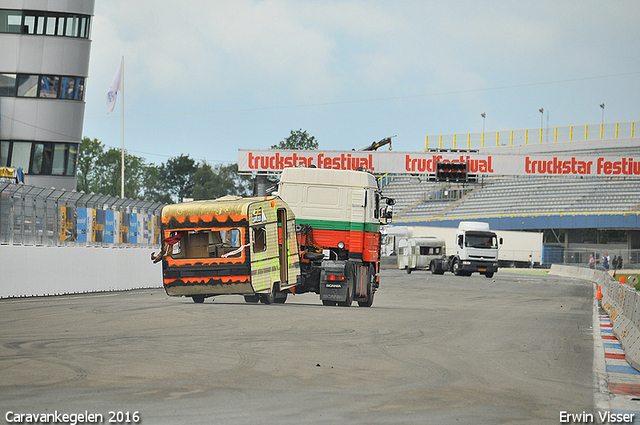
[(481, 240)]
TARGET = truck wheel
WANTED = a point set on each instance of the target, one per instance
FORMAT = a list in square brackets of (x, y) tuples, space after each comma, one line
[(198, 299), (280, 298), (252, 298), (436, 267), (350, 289), (370, 277), (489, 275), (455, 268), (328, 302)]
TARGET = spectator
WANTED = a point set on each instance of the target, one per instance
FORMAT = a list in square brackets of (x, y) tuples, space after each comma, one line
[(620, 262), (614, 262), (592, 262), (605, 261)]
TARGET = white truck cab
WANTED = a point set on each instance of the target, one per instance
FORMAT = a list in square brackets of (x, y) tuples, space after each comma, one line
[(476, 251)]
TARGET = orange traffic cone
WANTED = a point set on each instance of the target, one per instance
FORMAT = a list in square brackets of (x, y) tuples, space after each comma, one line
[(599, 294)]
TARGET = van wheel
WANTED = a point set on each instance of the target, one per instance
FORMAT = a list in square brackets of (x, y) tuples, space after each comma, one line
[(408, 270), (489, 275), (328, 302), (198, 299), (281, 298)]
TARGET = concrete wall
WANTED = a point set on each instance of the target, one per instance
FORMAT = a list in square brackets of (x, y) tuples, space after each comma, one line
[(35, 271), (620, 301)]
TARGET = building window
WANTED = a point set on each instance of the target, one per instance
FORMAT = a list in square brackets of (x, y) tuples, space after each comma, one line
[(10, 21), (4, 154), (7, 84), (20, 154), (42, 86), (34, 23), (72, 88), (40, 158), (59, 159), (49, 86), (27, 85), (72, 158), (38, 22)]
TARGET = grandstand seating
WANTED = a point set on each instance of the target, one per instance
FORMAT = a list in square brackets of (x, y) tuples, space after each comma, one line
[(513, 195)]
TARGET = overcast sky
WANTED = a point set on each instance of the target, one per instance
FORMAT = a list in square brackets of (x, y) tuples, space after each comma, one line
[(206, 77)]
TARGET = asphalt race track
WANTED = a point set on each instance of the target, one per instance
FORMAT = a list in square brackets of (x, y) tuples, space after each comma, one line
[(514, 349)]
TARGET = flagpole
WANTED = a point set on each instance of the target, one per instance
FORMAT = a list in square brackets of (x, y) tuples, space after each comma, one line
[(122, 154)]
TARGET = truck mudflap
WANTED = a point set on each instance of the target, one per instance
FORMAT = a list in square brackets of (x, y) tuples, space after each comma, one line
[(334, 281)]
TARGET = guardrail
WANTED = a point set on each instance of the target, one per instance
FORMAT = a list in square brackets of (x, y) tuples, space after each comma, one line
[(31, 215), (572, 133)]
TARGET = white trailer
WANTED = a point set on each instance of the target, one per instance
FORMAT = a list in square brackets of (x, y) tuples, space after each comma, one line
[(417, 253)]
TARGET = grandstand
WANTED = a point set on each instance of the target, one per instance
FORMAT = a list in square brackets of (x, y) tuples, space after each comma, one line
[(506, 195), (568, 206)]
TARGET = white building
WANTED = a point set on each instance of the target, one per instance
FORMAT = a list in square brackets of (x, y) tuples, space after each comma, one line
[(44, 65)]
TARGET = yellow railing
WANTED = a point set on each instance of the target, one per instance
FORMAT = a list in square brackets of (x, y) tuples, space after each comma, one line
[(572, 133)]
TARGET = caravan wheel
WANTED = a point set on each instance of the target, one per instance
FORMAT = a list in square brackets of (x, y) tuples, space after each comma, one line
[(252, 298), (268, 298)]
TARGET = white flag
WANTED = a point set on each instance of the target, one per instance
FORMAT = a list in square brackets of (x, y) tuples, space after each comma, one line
[(114, 89)]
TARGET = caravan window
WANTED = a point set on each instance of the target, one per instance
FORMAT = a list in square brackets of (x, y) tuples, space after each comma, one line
[(209, 243), (429, 250), (259, 239)]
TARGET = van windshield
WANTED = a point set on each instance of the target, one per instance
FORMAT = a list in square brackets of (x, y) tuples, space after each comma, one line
[(481, 240)]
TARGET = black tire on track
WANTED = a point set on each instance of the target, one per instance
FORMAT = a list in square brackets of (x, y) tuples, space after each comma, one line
[(268, 298), (370, 294), (350, 287)]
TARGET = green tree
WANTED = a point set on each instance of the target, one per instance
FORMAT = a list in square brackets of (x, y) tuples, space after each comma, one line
[(108, 172), (155, 186), (88, 153), (219, 180), (99, 170), (298, 140), (177, 176)]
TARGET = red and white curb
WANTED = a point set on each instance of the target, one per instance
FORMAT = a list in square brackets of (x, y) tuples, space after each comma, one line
[(617, 383)]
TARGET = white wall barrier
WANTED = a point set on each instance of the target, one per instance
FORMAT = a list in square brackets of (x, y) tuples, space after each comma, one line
[(620, 301), (36, 271)]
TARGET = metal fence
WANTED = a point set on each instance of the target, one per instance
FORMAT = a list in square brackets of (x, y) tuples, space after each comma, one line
[(31, 215), (579, 257)]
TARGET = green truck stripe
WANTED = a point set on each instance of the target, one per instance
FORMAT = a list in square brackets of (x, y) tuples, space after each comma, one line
[(340, 225)]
